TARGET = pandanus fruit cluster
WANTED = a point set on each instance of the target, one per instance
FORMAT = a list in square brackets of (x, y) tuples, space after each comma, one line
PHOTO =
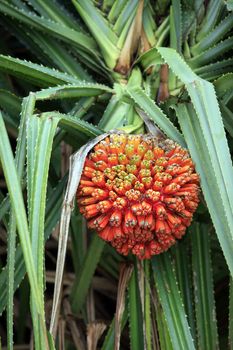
[(138, 192)]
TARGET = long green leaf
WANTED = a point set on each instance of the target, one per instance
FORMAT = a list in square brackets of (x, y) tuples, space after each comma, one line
[(208, 123), (147, 306), (197, 146), (55, 29), (20, 155), (171, 302), (176, 25), (19, 211), (54, 11), (53, 210), (48, 50), (161, 326), (204, 290), (135, 314), (214, 70), (155, 113), (184, 277), (211, 18), (211, 54), (58, 55), (74, 124), (126, 16), (214, 36), (82, 284), (38, 170), (149, 24), (35, 73), (116, 9), (70, 91), (100, 29)]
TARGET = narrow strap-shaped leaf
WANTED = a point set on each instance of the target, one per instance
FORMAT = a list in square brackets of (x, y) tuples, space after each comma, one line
[(55, 11), (176, 25), (209, 71), (100, 29), (155, 113), (35, 73), (66, 120), (49, 50), (206, 106), (11, 241), (116, 9), (214, 36), (164, 339), (204, 290), (184, 277), (127, 14), (169, 296), (53, 210), (60, 57), (118, 114), (27, 109), (88, 11), (162, 31), (211, 54), (42, 153), (33, 128), (19, 210), (147, 306), (32, 134), (110, 109), (211, 18), (135, 314), (205, 103), (197, 147), (149, 25), (71, 91), (81, 286), (39, 174), (82, 106), (55, 29)]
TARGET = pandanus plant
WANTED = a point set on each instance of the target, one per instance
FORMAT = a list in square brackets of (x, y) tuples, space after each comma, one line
[(141, 93)]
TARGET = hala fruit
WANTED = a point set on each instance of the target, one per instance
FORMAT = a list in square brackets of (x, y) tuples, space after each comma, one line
[(138, 192)]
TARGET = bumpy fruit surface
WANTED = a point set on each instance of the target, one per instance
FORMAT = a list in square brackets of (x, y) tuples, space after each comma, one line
[(138, 192)]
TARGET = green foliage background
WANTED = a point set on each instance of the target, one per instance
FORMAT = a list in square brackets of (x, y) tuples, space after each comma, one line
[(69, 71)]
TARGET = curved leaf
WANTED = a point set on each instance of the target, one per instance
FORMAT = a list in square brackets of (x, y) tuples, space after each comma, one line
[(209, 126), (197, 147), (35, 73)]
